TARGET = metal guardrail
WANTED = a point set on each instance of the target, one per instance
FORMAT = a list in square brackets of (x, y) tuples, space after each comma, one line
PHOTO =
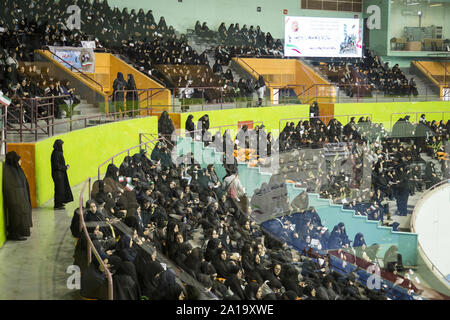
[(143, 96), (27, 119), (253, 70), (324, 117), (143, 144), (90, 246), (219, 128), (391, 123), (29, 113)]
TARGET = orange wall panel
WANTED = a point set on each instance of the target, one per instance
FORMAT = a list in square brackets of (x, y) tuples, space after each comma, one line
[(26, 151), (326, 111)]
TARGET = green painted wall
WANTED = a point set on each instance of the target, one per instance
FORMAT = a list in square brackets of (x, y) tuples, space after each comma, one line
[(183, 15), (379, 38), (85, 149), (2, 210), (382, 111), (271, 116)]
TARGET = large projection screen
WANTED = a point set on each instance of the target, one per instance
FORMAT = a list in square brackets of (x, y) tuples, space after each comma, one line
[(322, 37)]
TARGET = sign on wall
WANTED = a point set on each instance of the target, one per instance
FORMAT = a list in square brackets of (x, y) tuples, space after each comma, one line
[(322, 37), (82, 59)]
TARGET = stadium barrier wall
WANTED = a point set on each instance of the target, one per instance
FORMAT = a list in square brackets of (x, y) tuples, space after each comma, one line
[(269, 115), (382, 111), (83, 151)]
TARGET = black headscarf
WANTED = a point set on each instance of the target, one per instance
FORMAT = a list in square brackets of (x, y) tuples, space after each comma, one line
[(111, 172), (12, 159), (57, 145)]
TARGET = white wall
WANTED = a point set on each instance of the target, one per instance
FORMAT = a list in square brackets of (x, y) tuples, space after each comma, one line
[(433, 227)]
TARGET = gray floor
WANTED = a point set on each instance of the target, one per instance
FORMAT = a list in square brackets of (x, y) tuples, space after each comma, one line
[(35, 269)]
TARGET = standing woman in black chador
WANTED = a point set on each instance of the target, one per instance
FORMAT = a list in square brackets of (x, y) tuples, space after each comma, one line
[(165, 126), (132, 96), (190, 126), (16, 195), (63, 193), (119, 85)]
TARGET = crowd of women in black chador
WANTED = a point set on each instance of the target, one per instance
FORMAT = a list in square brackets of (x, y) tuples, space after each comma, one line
[(23, 28), (304, 230), (373, 166), (125, 96), (235, 41), (362, 77), (167, 205), (152, 47), (16, 197)]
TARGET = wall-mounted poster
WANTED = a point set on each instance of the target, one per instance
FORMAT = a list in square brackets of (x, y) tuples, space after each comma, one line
[(322, 37), (82, 59)]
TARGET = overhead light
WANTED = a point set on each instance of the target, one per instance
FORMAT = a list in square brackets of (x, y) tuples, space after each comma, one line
[(436, 5), (419, 13)]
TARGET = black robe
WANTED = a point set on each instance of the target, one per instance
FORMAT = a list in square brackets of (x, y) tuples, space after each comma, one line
[(63, 193), (16, 195)]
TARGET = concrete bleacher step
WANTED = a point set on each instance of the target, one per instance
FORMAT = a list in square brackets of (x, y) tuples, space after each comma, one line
[(85, 109), (424, 87), (331, 214)]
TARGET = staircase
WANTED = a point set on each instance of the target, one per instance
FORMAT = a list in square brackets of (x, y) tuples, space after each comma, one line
[(424, 86), (331, 214)]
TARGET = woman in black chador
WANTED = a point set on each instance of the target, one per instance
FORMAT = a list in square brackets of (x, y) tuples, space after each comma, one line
[(16, 195), (63, 193)]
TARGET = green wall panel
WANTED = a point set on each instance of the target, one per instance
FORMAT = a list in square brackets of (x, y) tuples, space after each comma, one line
[(85, 149), (382, 111), (270, 116)]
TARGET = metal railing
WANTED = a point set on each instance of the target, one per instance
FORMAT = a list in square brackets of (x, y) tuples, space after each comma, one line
[(327, 118), (90, 246), (413, 223), (26, 117), (253, 71), (127, 60), (147, 247), (143, 102), (127, 151), (33, 115), (210, 96), (280, 90), (220, 128), (417, 116)]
